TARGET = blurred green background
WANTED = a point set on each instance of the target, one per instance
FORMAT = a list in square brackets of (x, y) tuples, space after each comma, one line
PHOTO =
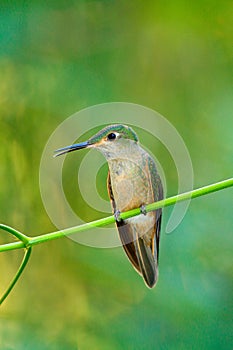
[(172, 56)]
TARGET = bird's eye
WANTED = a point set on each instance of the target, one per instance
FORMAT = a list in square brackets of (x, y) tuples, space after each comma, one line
[(111, 136)]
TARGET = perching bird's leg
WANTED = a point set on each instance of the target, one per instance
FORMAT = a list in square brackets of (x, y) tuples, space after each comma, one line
[(143, 209), (117, 216)]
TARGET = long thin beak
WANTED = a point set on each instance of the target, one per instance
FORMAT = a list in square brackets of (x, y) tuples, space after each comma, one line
[(71, 148)]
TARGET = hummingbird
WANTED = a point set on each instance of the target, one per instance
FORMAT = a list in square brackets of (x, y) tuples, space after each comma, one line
[(133, 182)]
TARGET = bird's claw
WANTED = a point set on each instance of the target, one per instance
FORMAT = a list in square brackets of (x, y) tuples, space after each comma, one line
[(117, 215), (143, 210)]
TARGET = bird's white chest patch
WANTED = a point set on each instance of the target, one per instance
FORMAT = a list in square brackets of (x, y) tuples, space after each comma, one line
[(142, 219)]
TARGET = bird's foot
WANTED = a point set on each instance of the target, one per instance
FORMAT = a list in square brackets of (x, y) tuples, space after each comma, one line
[(117, 216), (143, 209)]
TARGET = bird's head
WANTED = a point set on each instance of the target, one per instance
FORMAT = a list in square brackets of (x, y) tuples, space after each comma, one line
[(109, 141)]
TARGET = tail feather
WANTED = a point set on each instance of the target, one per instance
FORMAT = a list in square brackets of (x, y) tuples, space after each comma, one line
[(147, 262)]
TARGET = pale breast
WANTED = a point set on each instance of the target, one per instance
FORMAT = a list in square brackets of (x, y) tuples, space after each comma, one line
[(131, 185)]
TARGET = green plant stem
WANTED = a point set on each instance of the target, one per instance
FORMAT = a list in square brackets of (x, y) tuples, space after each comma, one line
[(23, 242), (31, 241), (28, 242), (17, 275), (15, 233)]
